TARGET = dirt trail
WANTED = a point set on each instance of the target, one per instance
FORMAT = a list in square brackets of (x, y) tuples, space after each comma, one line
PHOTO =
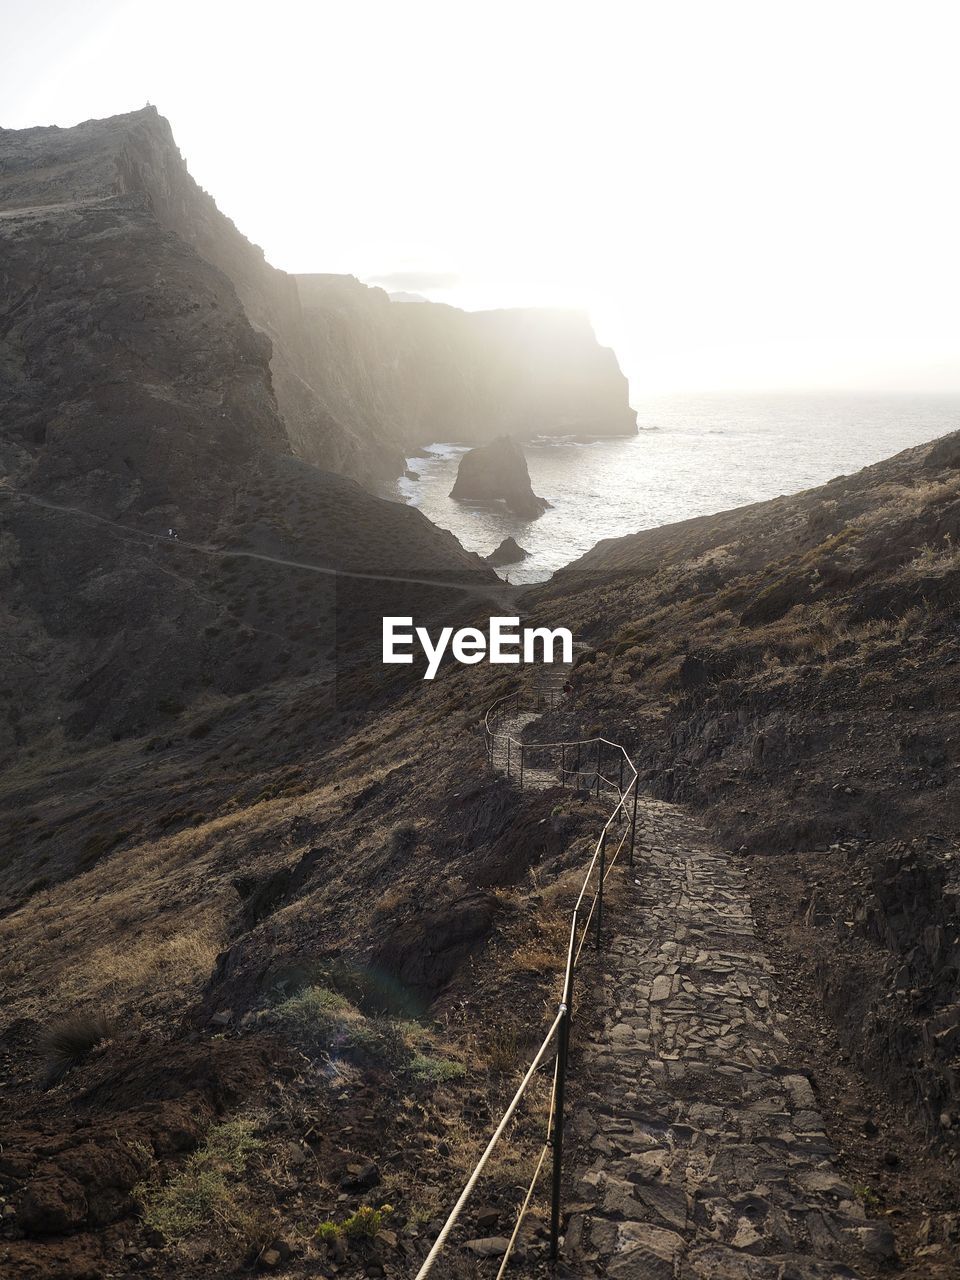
[(503, 594)]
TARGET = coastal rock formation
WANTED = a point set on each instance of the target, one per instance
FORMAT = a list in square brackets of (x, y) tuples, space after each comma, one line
[(508, 552), (498, 471), (357, 377), (433, 372)]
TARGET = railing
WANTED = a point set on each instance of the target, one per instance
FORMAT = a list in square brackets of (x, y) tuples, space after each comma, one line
[(574, 762)]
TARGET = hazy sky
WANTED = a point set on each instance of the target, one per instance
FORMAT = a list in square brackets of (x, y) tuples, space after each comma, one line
[(745, 194)]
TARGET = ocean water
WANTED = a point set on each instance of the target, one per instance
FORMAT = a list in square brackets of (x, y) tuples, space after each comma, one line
[(693, 455)]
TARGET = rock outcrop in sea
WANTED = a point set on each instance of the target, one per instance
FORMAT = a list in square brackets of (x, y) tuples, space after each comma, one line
[(508, 552), (498, 471)]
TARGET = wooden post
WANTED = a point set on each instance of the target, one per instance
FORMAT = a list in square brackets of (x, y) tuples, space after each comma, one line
[(603, 868), (633, 823), (556, 1138)]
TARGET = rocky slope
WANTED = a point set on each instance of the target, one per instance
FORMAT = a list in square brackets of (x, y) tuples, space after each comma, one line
[(136, 399), (357, 377), (792, 669)]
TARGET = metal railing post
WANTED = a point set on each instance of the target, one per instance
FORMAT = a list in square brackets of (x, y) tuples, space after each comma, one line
[(521, 766), (633, 822), (508, 755), (620, 783), (578, 764), (556, 1138), (603, 867), (563, 764), (599, 745)]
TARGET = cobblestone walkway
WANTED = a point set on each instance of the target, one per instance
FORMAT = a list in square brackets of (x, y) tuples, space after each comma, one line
[(697, 1152)]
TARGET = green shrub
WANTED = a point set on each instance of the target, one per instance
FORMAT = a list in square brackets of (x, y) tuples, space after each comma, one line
[(362, 1225), (427, 1067)]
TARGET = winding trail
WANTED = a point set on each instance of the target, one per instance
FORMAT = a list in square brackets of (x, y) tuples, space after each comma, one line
[(502, 593)]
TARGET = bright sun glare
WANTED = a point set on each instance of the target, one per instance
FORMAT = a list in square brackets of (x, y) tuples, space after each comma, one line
[(744, 195)]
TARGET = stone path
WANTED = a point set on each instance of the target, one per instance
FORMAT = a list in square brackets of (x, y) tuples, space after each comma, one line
[(541, 770), (512, 726), (696, 1151)]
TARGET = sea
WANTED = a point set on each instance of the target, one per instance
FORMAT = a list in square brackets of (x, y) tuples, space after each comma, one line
[(692, 455)]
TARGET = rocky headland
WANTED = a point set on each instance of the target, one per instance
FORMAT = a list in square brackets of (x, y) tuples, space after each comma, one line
[(497, 472), (357, 378)]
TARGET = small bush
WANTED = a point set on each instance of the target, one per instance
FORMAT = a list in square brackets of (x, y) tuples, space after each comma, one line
[(67, 1043), (437, 1070), (331, 1022), (362, 1225), (403, 839)]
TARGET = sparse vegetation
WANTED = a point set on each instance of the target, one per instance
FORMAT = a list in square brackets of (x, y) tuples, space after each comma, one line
[(425, 1066), (204, 1192)]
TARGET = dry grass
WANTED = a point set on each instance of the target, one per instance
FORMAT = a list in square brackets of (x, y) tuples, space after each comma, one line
[(545, 950), (937, 560), (67, 1043), (122, 967)]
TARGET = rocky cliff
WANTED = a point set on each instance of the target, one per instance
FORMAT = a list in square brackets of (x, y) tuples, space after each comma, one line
[(432, 372), (138, 400), (356, 377)]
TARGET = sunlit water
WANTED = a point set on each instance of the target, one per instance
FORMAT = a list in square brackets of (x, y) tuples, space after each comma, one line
[(694, 455)]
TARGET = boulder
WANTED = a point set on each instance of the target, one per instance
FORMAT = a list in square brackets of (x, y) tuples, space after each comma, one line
[(508, 552), (495, 472)]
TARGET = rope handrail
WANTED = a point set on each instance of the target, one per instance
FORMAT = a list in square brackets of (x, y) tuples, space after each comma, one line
[(479, 1166), (560, 1028)]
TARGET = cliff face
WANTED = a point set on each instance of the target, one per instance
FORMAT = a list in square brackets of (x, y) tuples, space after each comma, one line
[(137, 398), (132, 161), (356, 377), (432, 372)]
